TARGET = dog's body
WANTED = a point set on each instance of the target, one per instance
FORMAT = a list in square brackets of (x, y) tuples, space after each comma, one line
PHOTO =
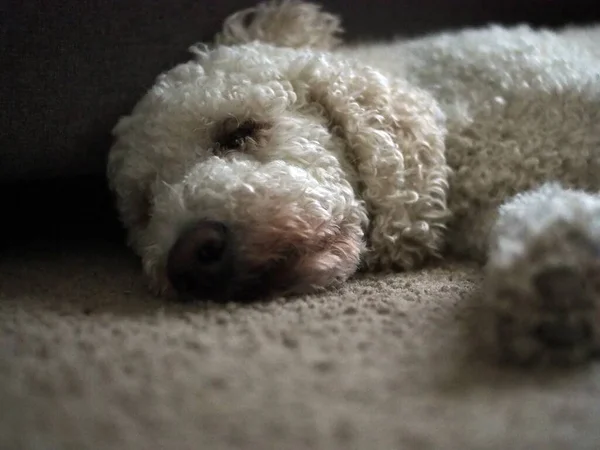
[(521, 109), (278, 166)]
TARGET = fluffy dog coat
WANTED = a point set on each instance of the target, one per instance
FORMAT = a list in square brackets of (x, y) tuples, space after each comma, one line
[(290, 161)]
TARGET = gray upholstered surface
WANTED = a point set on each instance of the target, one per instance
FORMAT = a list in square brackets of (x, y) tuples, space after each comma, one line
[(70, 68), (89, 361)]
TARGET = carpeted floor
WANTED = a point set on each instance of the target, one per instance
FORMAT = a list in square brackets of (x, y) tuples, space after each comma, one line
[(89, 361)]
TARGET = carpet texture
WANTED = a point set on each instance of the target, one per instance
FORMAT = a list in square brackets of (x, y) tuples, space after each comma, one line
[(88, 360)]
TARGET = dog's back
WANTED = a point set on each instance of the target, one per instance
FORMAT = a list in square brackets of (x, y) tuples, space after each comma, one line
[(522, 108)]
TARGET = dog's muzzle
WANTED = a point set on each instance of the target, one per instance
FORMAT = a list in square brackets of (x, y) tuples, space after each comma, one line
[(206, 263)]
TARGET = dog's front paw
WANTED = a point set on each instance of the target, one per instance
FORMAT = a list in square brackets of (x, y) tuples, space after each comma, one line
[(545, 302)]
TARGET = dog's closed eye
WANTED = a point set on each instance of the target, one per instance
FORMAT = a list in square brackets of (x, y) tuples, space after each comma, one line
[(235, 135)]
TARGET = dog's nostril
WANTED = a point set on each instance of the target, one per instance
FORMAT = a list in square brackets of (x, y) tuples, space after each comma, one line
[(560, 334), (200, 256), (210, 249)]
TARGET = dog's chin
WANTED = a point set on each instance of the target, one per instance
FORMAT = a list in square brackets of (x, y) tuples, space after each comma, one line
[(288, 278), (252, 281)]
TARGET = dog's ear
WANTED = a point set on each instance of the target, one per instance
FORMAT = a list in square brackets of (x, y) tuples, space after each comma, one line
[(395, 135), (286, 23)]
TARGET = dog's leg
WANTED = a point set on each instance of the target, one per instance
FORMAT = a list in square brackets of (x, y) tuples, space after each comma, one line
[(543, 276)]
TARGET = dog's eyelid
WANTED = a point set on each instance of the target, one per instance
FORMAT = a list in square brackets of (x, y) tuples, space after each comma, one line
[(234, 134)]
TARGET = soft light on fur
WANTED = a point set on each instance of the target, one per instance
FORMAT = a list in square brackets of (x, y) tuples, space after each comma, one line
[(289, 23), (323, 158)]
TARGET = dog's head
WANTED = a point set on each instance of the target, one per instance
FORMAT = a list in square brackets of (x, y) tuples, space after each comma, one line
[(275, 167)]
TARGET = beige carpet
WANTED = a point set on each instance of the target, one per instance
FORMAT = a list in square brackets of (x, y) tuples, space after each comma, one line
[(90, 361)]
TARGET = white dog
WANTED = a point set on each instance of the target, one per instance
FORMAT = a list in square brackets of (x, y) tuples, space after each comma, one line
[(278, 162)]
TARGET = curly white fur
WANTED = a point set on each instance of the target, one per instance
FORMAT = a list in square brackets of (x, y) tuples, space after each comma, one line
[(383, 154)]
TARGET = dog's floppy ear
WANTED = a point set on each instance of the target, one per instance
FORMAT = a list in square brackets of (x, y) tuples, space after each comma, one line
[(286, 23), (395, 137)]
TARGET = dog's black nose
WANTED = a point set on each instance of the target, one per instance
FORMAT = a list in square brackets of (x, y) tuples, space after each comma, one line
[(200, 261)]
